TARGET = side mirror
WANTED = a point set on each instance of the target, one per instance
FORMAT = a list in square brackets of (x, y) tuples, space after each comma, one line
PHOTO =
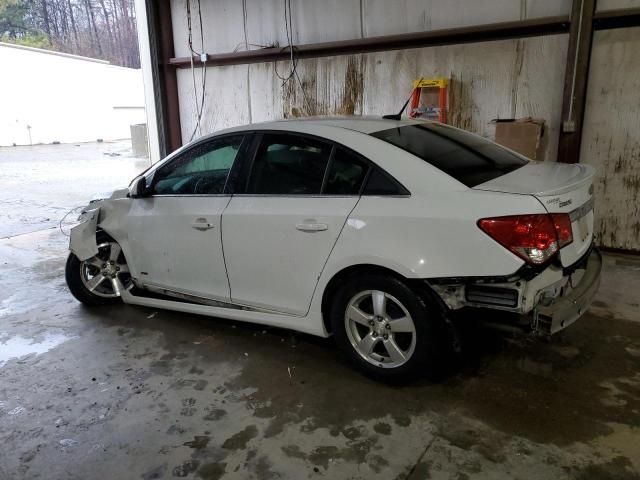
[(138, 188)]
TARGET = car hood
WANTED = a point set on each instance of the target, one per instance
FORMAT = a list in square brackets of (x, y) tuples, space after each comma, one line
[(112, 195), (541, 178)]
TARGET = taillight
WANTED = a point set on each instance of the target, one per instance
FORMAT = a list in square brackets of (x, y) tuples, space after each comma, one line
[(562, 222), (533, 238)]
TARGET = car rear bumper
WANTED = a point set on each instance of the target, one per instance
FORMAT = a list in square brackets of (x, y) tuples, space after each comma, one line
[(546, 303), (566, 309)]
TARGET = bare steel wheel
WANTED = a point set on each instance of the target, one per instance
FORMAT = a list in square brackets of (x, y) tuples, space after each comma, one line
[(100, 279), (385, 328), (380, 328)]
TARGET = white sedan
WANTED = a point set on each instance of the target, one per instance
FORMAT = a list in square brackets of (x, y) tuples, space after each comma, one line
[(375, 231)]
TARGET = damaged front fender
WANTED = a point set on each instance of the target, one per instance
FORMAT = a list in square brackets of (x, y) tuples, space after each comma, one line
[(83, 236)]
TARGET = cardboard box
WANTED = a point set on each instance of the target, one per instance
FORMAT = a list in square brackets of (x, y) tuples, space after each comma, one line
[(524, 135)]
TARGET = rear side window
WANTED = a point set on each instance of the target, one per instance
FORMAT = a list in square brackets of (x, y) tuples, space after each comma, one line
[(288, 165), (470, 159), (346, 174), (379, 183)]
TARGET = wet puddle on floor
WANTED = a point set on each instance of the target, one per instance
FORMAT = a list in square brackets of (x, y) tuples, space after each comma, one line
[(20, 346)]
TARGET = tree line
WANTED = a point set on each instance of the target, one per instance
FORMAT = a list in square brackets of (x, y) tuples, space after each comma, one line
[(104, 29)]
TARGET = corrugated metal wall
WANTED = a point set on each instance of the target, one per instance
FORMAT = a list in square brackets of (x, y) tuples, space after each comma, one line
[(611, 137), (511, 78)]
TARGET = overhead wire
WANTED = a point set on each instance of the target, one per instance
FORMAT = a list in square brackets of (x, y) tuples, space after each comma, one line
[(247, 45), (293, 60), (244, 25), (62, 220), (203, 58), (246, 42), (293, 63)]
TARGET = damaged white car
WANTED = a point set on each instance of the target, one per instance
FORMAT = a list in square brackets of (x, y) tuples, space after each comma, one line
[(374, 231)]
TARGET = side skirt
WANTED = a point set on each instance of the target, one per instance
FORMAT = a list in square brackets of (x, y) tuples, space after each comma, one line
[(308, 324)]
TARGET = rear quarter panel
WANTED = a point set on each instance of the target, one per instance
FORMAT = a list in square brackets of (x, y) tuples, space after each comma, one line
[(427, 236)]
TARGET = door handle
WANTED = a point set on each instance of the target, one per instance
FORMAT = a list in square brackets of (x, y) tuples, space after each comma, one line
[(312, 227), (202, 224)]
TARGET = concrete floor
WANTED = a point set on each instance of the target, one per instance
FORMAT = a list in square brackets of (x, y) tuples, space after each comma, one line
[(41, 183), (128, 392)]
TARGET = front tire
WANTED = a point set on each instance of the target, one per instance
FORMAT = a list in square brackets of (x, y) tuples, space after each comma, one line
[(385, 329), (99, 280)]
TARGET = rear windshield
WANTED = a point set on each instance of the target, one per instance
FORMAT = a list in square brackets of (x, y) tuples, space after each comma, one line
[(468, 158)]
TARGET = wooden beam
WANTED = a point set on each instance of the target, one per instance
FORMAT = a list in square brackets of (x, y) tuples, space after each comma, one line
[(575, 80)]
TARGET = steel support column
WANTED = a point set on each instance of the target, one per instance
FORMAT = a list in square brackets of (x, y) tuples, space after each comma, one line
[(575, 80), (164, 76)]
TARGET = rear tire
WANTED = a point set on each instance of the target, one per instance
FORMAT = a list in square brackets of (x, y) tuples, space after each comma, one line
[(387, 330), (99, 279)]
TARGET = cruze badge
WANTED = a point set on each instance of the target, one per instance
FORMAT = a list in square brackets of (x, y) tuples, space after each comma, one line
[(560, 204)]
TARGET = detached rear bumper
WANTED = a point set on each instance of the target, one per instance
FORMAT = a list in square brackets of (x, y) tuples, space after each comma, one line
[(550, 301), (566, 309)]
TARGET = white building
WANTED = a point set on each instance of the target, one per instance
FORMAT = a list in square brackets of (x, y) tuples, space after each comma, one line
[(57, 97)]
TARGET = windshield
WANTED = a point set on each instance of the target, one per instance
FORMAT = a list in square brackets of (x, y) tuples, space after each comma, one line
[(468, 158)]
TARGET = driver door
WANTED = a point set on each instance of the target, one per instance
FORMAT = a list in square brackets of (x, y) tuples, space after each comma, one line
[(174, 232)]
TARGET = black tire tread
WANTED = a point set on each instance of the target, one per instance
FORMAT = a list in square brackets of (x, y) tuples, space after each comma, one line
[(77, 288), (427, 317)]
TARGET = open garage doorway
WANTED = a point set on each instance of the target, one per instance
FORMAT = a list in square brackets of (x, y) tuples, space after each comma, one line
[(73, 122)]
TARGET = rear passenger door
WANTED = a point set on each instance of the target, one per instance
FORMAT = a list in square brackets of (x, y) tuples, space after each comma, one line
[(283, 221)]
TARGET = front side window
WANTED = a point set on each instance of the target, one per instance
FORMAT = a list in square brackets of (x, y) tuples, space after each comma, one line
[(202, 170), (468, 158), (288, 164)]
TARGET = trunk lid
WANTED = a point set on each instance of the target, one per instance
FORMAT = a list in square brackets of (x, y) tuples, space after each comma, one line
[(561, 188)]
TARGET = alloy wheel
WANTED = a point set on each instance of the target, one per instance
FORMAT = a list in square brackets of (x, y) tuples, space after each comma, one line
[(380, 328), (106, 274)]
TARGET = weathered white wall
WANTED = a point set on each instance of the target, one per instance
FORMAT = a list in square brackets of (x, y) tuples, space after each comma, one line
[(383, 17), (611, 136), (490, 80), (330, 20), (511, 78), (65, 98)]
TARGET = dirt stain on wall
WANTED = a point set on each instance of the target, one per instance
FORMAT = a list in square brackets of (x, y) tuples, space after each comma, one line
[(353, 88), (461, 105), (318, 88), (618, 184)]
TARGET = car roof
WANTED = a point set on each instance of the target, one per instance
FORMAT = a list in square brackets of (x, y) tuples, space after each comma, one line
[(362, 124), (353, 132)]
